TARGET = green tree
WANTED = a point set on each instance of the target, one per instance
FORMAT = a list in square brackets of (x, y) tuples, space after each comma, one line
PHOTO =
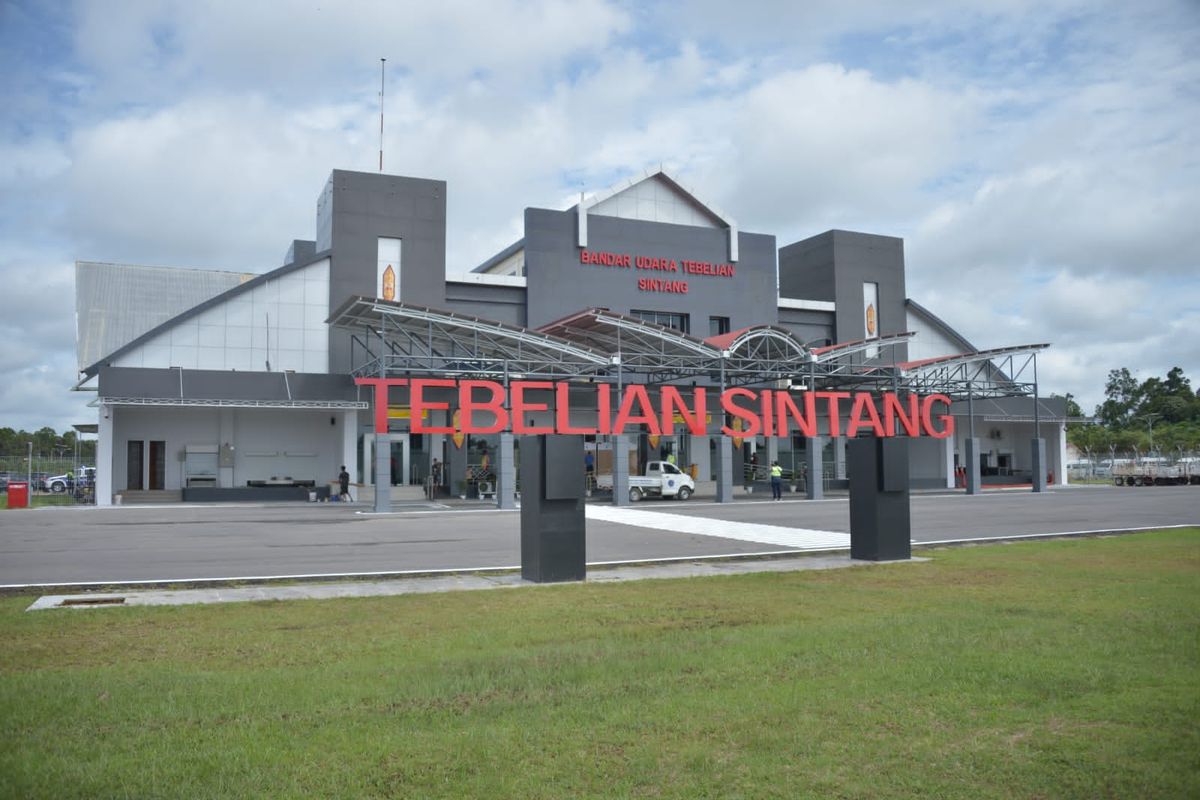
[(1121, 395), (1091, 440)]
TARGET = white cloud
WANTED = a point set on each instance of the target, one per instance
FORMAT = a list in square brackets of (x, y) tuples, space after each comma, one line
[(1038, 157)]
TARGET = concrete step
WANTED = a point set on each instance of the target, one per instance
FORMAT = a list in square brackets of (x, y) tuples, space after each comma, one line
[(143, 496), (399, 494)]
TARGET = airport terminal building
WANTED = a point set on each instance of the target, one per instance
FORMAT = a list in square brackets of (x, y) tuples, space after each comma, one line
[(225, 385)]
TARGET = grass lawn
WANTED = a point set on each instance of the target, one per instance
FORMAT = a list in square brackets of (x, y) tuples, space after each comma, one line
[(1052, 669)]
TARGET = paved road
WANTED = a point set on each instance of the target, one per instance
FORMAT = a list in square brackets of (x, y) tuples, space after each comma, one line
[(182, 543)]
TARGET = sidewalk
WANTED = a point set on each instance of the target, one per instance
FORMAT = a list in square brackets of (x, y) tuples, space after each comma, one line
[(450, 582)]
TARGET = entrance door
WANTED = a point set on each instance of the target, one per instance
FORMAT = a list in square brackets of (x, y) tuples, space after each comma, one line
[(133, 465), (1004, 463), (158, 465)]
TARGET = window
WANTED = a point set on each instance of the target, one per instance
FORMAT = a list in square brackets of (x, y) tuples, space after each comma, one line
[(718, 325), (388, 269), (670, 320)]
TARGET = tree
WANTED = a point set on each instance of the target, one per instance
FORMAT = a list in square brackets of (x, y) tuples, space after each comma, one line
[(1073, 409), (1170, 400), (1121, 396), (1091, 440)]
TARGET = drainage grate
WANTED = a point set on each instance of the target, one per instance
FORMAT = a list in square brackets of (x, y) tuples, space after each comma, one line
[(92, 601)]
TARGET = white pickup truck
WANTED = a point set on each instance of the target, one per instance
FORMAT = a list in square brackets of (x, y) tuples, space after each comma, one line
[(662, 479)]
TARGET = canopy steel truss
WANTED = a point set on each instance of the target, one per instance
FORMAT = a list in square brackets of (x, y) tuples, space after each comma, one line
[(390, 339)]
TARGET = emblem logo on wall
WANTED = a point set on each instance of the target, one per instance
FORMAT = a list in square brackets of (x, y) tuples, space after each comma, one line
[(458, 437), (389, 283), (871, 320)]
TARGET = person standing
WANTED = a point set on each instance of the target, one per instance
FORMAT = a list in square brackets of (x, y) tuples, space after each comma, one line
[(776, 481), (344, 485)]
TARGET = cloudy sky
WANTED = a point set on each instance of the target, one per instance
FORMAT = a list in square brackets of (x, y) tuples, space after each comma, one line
[(1041, 159)]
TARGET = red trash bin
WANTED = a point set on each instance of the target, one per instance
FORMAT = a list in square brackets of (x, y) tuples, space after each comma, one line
[(18, 494)]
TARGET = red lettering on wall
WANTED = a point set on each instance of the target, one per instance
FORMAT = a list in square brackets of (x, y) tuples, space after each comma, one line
[(493, 405), (636, 394), (864, 402), (485, 408), (751, 424), (786, 410), (694, 418), (418, 405), (946, 421), (521, 407)]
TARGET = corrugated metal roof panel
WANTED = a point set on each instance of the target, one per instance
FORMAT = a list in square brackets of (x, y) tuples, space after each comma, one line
[(116, 303)]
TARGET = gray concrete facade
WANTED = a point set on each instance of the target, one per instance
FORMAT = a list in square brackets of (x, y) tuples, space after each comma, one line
[(833, 266), (559, 284), (353, 211)]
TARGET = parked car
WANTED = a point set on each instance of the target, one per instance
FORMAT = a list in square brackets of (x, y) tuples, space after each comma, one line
[(662, 479), (61, 483)]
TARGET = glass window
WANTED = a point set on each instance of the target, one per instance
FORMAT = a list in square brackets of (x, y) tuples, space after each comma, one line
[(388, 269), (679, 322), (718, 325)]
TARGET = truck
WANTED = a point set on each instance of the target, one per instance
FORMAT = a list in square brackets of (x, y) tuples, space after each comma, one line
[(661, 479)]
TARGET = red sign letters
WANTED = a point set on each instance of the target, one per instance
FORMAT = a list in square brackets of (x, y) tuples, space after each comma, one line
[(485, 407)]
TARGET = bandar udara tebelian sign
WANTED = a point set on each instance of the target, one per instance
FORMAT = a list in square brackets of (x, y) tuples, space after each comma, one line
[(486, 407)]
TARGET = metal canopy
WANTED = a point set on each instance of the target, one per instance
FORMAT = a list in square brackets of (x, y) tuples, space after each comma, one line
[(389, 339), (841, 350), (997, 372)]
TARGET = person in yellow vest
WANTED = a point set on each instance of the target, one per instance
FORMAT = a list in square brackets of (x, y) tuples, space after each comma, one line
[(776, 481)]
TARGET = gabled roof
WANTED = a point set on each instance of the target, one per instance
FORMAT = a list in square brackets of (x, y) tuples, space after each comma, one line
[(258, 280), (117, 303), (717, 216), (941, 326)]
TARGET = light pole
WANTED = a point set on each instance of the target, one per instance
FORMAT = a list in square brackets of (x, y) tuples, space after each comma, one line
[(1150, 428)]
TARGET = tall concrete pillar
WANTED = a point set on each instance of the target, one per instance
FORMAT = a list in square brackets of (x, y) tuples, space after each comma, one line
[(814, 467), (506, 473), (974, 484), (772, 452), (456, 467), (104, 456), (349, 423), (948, 461), (699, 448), (724, 469), (620, 468), (383, 473), (1038, 464)]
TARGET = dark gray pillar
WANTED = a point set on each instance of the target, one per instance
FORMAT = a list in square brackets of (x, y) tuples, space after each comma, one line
[(506, 473), (972, 465), (724, 453), (1038, 461), (456, 466), (553, 541), (620, 468), (814, 466), (383, 473), (880, 525)]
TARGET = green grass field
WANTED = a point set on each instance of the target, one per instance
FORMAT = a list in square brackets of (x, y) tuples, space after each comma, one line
[(1034, 670)]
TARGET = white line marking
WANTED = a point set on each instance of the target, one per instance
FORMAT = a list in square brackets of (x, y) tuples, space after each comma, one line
[(795, 538), (1007, 537)]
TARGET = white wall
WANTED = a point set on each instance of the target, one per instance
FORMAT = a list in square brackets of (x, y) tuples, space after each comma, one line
[(298, 443), (929, 341), (653, 200), (235, 335)]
